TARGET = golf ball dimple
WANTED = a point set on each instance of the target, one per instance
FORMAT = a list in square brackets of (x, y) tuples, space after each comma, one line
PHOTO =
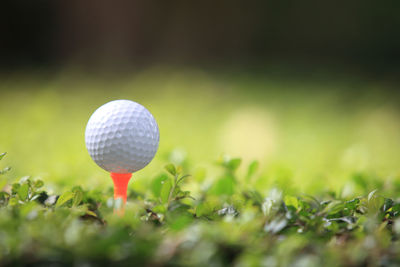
[(122, 136)]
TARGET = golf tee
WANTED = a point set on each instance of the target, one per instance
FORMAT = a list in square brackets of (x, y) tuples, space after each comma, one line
[(120, 181)]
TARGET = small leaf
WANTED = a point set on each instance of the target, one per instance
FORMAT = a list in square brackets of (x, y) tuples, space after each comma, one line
[(159, 209), (38, 184), (314, 202), (157, 184), (23, 191), (91, 213), (204, 208), (233, 164), (2, 155), (177, 208), (171, 169), (14, 188), (183, 194), (291, 201), (64, 198), (78, 196), (252, 168), (333, 207), (352, 204), (165, 191), (224, 186), (182, 178), (255, 197), (396, 208)]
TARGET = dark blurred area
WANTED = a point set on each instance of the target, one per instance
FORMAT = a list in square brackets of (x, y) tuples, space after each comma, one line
[(365, 34)]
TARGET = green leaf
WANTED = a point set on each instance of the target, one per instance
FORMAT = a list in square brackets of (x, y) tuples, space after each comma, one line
[(159, 209), (2, 155), (233, 164), (182, 178), (14, 188), (255, 197), (64, 198), (224, 186), (334, 207), (204, 208), (157, 184), (291, 201), (38, 184), (91, 213), (352, 204), (396, 208), (253, 167), (375, 202), (182, 194), (78, 196), (176, 208), (23, 191), (165, 191), (171, 169)]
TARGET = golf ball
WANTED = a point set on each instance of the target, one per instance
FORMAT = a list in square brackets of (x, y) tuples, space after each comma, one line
[(122, 136)]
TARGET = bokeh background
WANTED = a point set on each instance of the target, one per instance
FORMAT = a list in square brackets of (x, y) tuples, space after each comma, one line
[(310, 89)]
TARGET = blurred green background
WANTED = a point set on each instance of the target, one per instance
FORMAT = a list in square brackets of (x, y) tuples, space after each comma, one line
[(308, 89), (313, 137)]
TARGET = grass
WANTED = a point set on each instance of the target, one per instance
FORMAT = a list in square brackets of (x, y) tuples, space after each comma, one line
[(313, 177)]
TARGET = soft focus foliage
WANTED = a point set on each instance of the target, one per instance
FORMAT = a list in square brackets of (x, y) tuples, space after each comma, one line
[(224, 222), (308, 133)]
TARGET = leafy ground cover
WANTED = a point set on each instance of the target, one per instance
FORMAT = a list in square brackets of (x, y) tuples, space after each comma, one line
[(323, 192), (225, 222)]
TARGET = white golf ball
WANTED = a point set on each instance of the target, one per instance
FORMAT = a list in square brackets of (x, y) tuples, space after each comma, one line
[(122, 136)]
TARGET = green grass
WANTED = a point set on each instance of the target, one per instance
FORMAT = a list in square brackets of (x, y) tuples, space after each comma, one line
[(311, 152)]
